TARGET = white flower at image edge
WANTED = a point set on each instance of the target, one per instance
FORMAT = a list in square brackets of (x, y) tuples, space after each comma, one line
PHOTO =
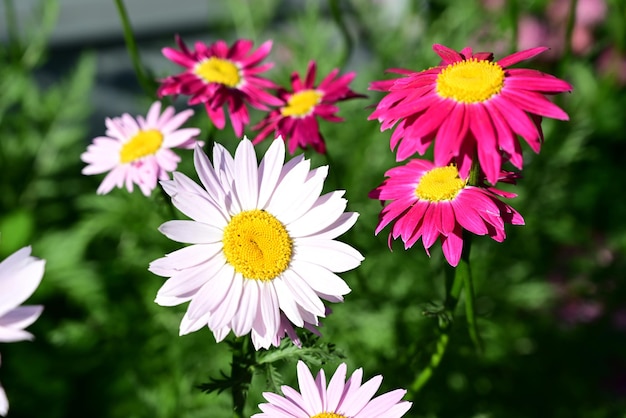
[(263, 253), (20, 275)]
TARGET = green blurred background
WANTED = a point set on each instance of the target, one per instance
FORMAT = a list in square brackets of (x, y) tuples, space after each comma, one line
[(551, 299)]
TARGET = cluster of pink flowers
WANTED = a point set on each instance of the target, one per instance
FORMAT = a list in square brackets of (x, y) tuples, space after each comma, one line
[(262, 255), (472, 109), (138, 151)]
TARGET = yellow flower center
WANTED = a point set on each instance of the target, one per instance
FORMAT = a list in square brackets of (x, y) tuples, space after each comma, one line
[(257, 245), (300, 104), (328, 415), (470, 81), (143, 144), (441, 183), (217, 70)]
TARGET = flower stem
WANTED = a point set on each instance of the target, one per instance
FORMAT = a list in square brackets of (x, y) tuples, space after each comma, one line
[(463, 269), (454, 285), (569, 29), (241, 373), (335, 11), (147, 83)]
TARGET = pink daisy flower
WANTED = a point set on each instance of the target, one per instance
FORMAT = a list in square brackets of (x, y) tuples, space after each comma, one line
[(296, 118), (470, 105), (20, 275), (263, 252), (338, 399), (428, 201), (138, 151), (217, 75)]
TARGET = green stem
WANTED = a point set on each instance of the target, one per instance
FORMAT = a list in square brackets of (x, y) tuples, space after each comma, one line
[(569, 29), (335, 11), (513, 9), (147, 83), (463, 269), (454, 286), (241, 373)]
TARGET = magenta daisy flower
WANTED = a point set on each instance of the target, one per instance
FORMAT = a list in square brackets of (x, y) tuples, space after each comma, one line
[(338, 399), (428, 201), (263, 252), (20, 275), (138, 151), (217, 75), (470, 105), (296, 118)]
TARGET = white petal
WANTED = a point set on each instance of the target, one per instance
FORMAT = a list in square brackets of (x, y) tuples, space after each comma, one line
[(290, 183), (200, 209), (4, 402), (303, 294), (287, 303), (270, 311), (335, 387), (213, 293), (334, 255), (188, 325), (207, 176), (304, 196), (269, 171), (184, 258), (320, 279), (310, 393), (20, 275), (186, 283), (341, 225), (325, 211), (13, 322), (358, 399), (248, 308), (246, 175), (224, 312), (191, 232)]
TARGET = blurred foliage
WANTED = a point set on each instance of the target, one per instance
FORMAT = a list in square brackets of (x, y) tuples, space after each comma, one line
[(551, 299)]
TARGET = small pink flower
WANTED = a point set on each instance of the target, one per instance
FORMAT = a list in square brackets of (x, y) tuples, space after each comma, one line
[(217, 75), (341, 398), (296, 119), (138, 151), (20, 275), (469, 105), (429, 202)]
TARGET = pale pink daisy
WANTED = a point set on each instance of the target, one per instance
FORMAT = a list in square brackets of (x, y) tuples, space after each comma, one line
[(469, 106), (263, 253), (216, 75), (341, 398), (429, 202), (296, 120), (20, 275), (137, 150)]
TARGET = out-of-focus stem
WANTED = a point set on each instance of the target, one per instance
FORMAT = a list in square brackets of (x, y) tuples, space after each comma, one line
[(241, 373), (335, 11), (131, 44)]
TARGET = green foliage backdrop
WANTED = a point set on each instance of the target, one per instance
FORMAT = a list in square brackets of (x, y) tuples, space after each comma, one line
[(103, 348)]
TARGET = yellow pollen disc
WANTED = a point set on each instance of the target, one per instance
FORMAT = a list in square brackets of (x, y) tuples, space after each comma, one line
[(441, 183), (328, 415), (300, 104), (470, 81), (257, 245), (217, 70), (141, 145)]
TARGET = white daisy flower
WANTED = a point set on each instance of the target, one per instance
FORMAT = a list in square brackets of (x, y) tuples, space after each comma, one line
[(263, 253)]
